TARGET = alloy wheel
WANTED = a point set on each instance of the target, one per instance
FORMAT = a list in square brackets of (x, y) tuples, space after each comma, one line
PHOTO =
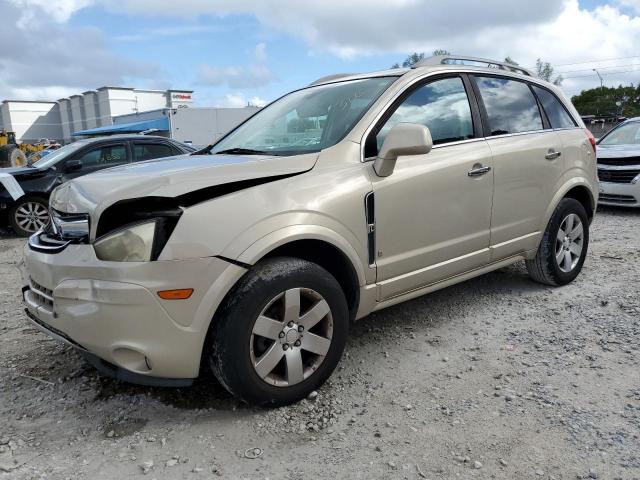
[(569, 242), (32, 216), (291, 337)]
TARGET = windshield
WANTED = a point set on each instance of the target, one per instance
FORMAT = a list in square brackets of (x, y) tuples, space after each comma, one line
[(56, 155), (627, 134), (307, 120)]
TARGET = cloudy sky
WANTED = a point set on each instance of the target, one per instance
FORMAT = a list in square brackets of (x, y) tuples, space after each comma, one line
[(236, 51)]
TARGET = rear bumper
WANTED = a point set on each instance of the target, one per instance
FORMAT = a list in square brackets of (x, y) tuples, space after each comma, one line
[(111, 310), (619, 194)]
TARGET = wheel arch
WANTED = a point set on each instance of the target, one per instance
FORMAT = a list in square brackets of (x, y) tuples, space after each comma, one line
[(577, 188), (582, 194), (330, 258), (317, 244)]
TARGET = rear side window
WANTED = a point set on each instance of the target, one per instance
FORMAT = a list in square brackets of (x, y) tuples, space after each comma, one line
[(149, 151), (558, 115), (510, 104), (441, 105)]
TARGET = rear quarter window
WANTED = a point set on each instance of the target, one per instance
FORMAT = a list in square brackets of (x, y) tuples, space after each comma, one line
[(149, 151), (510, 105), (553, 107)]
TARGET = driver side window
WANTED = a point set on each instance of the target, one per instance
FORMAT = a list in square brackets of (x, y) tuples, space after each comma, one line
[(442, 106), (105, 156)]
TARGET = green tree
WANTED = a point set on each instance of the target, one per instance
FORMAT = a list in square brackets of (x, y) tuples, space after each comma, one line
[(615, 101), (545, 71), (416, 57)]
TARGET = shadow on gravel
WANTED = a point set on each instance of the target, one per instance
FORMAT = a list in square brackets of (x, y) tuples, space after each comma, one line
[(6, 233), (205, 393), (629, 212), (458, 299)]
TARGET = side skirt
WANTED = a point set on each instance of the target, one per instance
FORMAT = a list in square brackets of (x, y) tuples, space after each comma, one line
[(369, 292)]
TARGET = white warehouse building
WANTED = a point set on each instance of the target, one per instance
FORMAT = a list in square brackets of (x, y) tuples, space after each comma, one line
[(108, 110)]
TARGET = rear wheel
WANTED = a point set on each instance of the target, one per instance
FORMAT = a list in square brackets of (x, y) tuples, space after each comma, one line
[(564, 245), (280, 333), (28, 215)]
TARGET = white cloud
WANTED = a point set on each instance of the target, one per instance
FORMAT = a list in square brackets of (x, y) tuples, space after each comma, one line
[(57, 10), (558, 31), (257, 74), (146, 34), (52, 61), (238, 100), (359, 27)]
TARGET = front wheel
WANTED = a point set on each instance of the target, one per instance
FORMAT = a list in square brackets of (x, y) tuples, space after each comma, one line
[(28, 215), (280, 333), (564, 244)]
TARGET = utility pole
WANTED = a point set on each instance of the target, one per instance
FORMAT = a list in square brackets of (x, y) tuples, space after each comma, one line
[(600, 77)]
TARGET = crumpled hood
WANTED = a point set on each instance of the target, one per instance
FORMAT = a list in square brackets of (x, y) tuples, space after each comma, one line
[(170, 177), (618, 151)]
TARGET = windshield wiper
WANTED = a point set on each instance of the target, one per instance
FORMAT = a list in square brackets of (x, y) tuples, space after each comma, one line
[(242, 151)]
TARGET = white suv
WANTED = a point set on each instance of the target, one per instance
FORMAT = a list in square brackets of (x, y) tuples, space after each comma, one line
[(254, 255)]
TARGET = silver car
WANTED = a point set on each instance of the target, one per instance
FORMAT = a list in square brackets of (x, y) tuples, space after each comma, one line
[(619, 165)]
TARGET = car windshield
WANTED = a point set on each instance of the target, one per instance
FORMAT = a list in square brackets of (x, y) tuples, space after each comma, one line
[(628, 134), (305, 121), (56, 155)]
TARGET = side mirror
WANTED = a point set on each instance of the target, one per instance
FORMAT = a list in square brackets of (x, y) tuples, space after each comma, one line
[(402, 139), (72, 166)]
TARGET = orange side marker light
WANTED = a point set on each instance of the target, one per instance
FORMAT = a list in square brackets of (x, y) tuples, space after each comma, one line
[(178, 294)]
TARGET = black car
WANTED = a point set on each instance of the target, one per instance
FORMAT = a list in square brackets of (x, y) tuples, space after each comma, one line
[(24, 191)]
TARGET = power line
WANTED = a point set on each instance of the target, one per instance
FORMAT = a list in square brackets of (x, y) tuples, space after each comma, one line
[(595, 61), (601, 68), (604, 74)]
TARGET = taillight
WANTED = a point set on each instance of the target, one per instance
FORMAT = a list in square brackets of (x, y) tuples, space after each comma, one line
[(592, 139)]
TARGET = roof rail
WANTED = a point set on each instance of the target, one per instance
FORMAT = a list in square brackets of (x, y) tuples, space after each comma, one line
[(453, 59), (329, 78)]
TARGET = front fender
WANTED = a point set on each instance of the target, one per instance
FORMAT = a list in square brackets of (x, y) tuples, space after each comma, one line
[(282, 236)]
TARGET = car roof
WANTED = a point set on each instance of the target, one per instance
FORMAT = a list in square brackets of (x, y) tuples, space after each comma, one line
[(440, 63), (122, 136)]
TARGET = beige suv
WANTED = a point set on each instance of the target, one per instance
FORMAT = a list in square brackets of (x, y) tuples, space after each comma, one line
[(253, 256)]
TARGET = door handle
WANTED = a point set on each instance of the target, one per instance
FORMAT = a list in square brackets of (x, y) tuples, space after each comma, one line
[(478, 170), (552, 154)]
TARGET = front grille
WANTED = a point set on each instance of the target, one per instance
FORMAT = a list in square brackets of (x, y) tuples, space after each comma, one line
[(617, 176), (41, 295), (610, 197), (620, 161)]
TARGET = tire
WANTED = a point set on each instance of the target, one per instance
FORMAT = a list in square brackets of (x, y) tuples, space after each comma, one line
[(28, 215), (12, 156), (243, 344), (558, 260)]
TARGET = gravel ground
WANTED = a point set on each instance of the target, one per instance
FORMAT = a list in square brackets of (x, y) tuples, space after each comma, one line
[(497, 377)]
